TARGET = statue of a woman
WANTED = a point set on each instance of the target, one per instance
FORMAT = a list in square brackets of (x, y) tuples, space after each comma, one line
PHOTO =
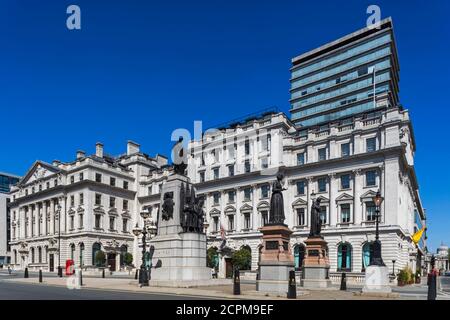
[(316, 224), (276, 202)]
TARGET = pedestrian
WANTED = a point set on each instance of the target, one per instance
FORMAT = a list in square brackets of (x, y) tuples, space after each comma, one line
[(9, 270)]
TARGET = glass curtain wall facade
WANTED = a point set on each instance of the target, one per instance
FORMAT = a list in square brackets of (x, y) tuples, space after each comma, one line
[(340, 79)]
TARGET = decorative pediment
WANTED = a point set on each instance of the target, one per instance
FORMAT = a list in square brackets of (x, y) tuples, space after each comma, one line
[(214, 212), (344, 197), (246, 207), (80, 209), (71, 211), (299, 203), (230, 209), (112, 212), (368, 195), (39, 171), (99, 209), (126, 213), (323, 199), (263, 205)]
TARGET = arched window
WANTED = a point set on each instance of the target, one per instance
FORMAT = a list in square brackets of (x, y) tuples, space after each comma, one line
[(40, 254), (32, 255), (81, 254), (72, 251), (95, 247), (344, 257), (367, 254), (299, 255)]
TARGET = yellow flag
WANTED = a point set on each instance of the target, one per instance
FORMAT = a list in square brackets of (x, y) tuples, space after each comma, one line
[(416, 237)]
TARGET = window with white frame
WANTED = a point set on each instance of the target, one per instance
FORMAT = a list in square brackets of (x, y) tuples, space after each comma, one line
[(322, 184), (247, 194), (323, 215), (300, 187), (301, 216), (371, 144), (300, 158), (345, 213), (345, 149), (215, 224), (231, 170), (322, 154), (216, 198), (265, 191), (247, 221), (264, 217), (371, 214), (230, 222), (216, 173), (264, 163), (345, 181), (231, 196), (371, 176)]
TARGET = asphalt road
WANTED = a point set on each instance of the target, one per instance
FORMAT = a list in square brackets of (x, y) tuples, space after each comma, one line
[(19, 291)]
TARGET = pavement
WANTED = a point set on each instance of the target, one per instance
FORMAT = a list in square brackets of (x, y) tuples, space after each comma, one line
[(126, 287)]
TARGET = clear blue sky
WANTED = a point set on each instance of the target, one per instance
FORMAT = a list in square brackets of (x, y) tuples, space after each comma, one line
[(139, 69)]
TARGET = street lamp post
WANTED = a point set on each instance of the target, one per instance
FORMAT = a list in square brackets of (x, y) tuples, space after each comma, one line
[(393, 267), (59, 241), (147, 229), (377, 260)]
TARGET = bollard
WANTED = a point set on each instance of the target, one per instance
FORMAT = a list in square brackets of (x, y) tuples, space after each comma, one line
[(60, 272), (432, 288), (25, 275), (81, 278), (40, 276), (344, 282), (292, 288), (136, 275), (103, 273), (236, 283)]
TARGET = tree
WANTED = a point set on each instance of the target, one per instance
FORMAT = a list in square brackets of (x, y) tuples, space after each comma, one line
[(127, 258), (211, 258), (242, 258), (100, 258)]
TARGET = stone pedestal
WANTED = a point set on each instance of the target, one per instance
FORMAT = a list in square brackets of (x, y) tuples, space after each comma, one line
[(316, 266), (177, 256), (377, 280), (276, 259)]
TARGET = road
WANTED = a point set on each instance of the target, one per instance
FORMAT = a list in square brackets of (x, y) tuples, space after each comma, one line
[(445, 284)]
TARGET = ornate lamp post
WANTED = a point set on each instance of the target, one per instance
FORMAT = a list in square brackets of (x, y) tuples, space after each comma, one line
[(377, 259), (148, 228), (393, 267)]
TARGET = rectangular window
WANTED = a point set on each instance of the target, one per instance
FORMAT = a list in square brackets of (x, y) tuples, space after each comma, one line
[(112, 182), (72, 179), (300, 187), (216, 173), (247, 194), (72, 222), (98, 199), (371, 178), (231, 152), (112, 202), (345, 213), (323, 214), (80, 221), (370, 211), (112, 223), (300, 158), (55, 182), (345, 181), (322, 184), (124, 225), (247, 224), (47, 185), (98, 177), (371, 144), (301, 216), (322, 153), (230, 222), (125, 185), (247, 166), (247, 147), (72, 201), (125, 204), (216, 197), (97, 221), (230, 171), (345, 149), (265, 191), (264, 217), (264, 163), (215, 224), (265, 143), (231, 196), (81, 199), (81, 176), (202, 176)]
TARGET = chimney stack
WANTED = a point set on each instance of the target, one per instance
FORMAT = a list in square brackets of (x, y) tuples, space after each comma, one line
[(99, 149), (132, 147), (80, 154)]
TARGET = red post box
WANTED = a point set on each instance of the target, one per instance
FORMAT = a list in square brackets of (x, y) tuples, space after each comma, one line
[(70, 267)]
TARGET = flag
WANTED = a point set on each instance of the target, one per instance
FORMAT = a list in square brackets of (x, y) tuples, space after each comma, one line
[(417, 236)]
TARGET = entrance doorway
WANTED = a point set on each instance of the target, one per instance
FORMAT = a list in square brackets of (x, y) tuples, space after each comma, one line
[(228, 268), (112, 261), (51, 266)]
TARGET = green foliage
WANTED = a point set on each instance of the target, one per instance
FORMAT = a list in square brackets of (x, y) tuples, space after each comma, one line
[(212, 260), (100, 259), (242, 258), (127, 258), (405, 275)]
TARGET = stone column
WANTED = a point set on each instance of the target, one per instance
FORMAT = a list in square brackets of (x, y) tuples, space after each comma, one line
[(334, 220), (357, 206), (52, 216), (44, 217)]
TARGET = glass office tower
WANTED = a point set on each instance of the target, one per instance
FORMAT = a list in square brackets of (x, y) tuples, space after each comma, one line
[(6, 180), (336, 81)]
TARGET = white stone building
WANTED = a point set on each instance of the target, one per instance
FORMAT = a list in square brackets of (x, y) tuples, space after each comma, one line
[(63, 211), (344, 165)]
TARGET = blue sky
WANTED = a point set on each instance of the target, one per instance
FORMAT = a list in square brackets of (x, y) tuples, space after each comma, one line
[(140, 69)]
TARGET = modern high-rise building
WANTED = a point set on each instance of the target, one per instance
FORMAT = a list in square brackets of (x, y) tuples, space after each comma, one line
[(6, 180), (336, 80)]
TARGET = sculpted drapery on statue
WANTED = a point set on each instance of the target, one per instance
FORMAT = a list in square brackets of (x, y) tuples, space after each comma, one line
[(316, 224), (276, 202), (179, 157), (192, 215)]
